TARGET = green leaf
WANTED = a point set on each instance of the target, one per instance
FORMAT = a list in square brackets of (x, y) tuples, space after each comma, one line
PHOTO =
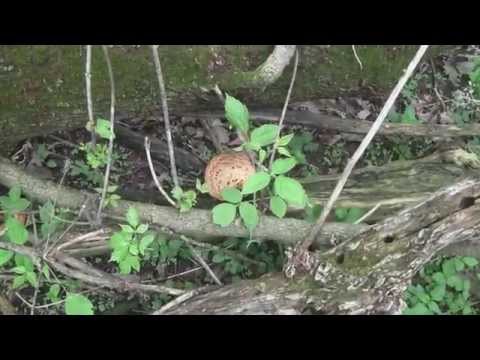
[(24, 261), (177, 193), (448, 268), (18, 281), (281, 166), (418, 309), (285, 140), (16, 231), (341, 214), (224, 214), (459, 265), (236, 114), (264, 135), (15, 193), (470, 261), (231, 195), (262, 154), (5, 256), (433, 306), (103, 128), (53, 292), (19, 269), (439, 278), (31, 278), (218, 258), (133, 217), (409, 116), (278, 206), (283, 151), (423, 297), (119, 240), (77, 304), (456, 282), (130, 262), (290, 190), (127, 229), (249, 215), (142, 229), (46, 271), (145, 242), (202, 188), (256, 182), (51, 163), (438, 292), (133, 249)]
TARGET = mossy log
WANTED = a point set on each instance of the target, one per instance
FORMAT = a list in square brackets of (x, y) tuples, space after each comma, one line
[(367, 275), (42, 87)]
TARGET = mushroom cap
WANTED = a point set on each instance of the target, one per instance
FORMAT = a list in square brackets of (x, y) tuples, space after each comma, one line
[(229, 169)]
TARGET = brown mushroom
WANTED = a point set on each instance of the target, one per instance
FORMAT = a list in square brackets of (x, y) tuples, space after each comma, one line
[(228, 169)]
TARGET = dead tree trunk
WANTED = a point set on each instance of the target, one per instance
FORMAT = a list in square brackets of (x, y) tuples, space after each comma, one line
[(367, 274)]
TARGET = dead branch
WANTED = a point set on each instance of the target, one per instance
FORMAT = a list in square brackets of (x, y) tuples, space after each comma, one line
[(300, 256)]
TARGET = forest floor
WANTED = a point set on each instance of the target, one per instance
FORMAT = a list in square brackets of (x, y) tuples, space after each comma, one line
[(441, 92)]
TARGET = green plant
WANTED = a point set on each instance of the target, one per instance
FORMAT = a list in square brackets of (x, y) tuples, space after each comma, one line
[(130, 244), (442, 288), (283, 190), (78, 304), (185, 199)]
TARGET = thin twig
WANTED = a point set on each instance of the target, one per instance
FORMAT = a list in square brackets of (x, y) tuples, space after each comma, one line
[(88, 83), (284, 110), (181, 299), (368, 214), (356, 57), (154, 176), (202, 262), (303, 247), (166, 119), (84, 237), (110, 140)]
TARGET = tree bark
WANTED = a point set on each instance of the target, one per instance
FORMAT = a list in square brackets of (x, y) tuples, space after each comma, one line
[(43, 87), (366, 275)]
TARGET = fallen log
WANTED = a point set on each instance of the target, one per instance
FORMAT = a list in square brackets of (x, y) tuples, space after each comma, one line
[(349, 126), (366, 275)]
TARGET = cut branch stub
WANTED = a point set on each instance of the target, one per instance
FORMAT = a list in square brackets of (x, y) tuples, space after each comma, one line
[(227, 170)]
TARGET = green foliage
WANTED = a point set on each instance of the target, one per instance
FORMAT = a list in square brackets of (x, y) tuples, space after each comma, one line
[(443, 288), (282, 166), (131, 243), (77, 304), (16, 231), (14, 203), (256, 182), (224, 214), (290, 190), (50, 223), (278, 206), (25, 272), (270, 257), (474, 77), (407, 117), (237, 114), (299, 144), (104, 129), (284, 190), (186, 199), (232, 195), (249, 215), (263, 136), (111, 199)]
